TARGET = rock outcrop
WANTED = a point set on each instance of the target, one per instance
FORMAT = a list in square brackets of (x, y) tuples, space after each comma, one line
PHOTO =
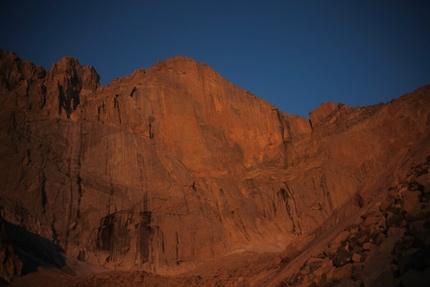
[(174, 165), (388, 245)]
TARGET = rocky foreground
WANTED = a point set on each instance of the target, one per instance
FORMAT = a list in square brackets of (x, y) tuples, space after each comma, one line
[(174, 176), (387, 245)]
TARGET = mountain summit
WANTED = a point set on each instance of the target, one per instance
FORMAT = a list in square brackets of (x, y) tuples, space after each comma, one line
[(173, 165)]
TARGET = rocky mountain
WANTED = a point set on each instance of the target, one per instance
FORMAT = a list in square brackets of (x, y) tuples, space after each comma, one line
[(173, 166)]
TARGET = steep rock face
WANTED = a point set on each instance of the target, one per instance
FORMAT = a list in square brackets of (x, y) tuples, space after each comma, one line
[(173, 165)]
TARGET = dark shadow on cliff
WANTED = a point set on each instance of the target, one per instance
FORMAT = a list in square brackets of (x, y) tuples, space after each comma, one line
[(34, 250)]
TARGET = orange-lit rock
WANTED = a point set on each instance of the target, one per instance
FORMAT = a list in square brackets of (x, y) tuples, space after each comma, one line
[(173, 165)]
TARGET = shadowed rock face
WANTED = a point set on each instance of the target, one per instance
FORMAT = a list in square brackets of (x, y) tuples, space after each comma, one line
[(173, 165), (10, 264)]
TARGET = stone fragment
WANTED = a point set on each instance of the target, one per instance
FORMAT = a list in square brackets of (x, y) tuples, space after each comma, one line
[(411, 200), (305, 270), (325, 269), (313, 259), (362, 236), (353, 228), (424, 181), (392, 194), (318, 272), (395, 220), (414, 186), (354, 245), (382, 223), (392, 209), (327, 262), (371, 213), (356, 270), (368, 246), (341, 237), (371, 220), (356, 257), (396, 231), (384, 205), (342, 272), (402, 191), (341, 257), (331, 249), (314, 263), (378, 237)]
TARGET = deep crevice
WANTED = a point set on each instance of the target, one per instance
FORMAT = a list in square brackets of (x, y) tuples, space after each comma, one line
[(133, 91), (43, 191)]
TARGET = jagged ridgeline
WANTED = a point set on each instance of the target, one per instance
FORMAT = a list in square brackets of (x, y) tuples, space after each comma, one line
[(174, 165)]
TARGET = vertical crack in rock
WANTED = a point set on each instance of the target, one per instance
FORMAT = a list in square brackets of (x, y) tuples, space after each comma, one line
[(119, 114), (101, 111), (61, 99), (80, 156), (43, 90), (98, 113), (144, 235), (151, 119), (54, 231), (113, 235), (13, 122), (78, 211), (106, 236), (115, 101), (284, 196), (162, 241), (28, 156), (43, 191), (145, 231), (326, 193), (177, 245), (282, 124), (296, 217), (133, 91), (116, 105)]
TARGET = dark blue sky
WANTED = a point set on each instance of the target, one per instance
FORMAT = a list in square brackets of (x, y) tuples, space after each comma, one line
[(294, 54)]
